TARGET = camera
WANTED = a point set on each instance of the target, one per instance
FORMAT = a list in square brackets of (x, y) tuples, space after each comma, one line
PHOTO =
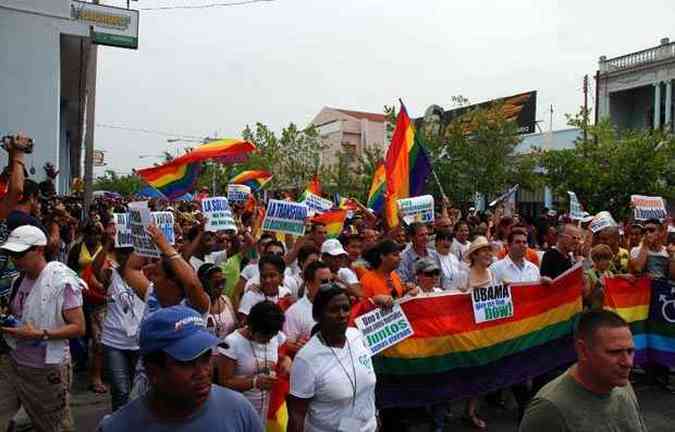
[(10, 141), (8, 321)]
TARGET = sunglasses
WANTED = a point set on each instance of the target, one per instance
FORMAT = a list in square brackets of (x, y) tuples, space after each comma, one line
[(326, 281)]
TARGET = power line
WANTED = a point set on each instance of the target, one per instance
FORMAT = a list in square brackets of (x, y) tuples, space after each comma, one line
[(206, 6), (149, 131)]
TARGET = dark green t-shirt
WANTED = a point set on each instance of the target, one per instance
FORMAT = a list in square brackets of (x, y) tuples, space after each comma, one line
[(563, 405)]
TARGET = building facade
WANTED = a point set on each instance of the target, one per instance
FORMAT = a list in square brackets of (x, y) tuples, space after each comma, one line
[(636, 90), (350, 132)]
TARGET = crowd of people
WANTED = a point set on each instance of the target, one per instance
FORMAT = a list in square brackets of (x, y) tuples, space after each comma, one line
[(197, 339)]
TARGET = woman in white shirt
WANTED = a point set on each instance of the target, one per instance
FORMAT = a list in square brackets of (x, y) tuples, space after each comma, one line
[(221, 319), (332, 379), (248, 361)]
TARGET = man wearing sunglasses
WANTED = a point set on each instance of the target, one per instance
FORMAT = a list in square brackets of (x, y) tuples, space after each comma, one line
[(46, 302), (651, 256)]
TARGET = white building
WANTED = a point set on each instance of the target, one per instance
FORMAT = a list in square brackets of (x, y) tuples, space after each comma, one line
[(43, 57)]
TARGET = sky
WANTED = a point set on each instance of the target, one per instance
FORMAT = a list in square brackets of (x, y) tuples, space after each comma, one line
[(202, 72)]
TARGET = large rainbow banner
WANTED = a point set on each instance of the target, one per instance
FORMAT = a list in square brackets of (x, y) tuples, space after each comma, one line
[(649, 307), (451, 357)]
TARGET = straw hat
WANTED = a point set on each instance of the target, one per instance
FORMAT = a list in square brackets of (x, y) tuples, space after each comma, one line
[(477, 244)]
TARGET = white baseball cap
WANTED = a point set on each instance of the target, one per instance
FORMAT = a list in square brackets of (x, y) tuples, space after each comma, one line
[(23, 238), (333, 247)]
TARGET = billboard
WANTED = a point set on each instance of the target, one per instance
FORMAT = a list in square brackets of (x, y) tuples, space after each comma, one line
[(110, 25), (521, 108)]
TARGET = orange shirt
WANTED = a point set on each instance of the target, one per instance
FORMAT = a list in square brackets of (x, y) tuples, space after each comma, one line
[(530, 255), (374, 283)]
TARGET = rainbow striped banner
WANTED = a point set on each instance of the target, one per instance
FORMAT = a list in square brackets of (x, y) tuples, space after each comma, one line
[(450, 357), (255, 179), (173, 179), (333, 220), (649, 307)]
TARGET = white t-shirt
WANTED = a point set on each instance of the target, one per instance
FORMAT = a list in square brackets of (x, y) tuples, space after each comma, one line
[(250, 271), (317, 374), (348, 276), (508, 271), (124, 312), (253, 358), (253, 278), (299, 321), (252, 298), (459, 249), (217, 258), (454, 274)]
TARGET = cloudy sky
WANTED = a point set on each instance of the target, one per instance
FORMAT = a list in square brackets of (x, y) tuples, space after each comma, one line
[(198, 72)]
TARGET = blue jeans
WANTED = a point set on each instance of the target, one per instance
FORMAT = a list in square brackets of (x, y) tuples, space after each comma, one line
[(119, 366)]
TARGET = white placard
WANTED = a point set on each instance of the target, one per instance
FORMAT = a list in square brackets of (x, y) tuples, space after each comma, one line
[(164, 221), (316, 204), (417, 209), (382, 328), (218, 214), (601, 221), (648, 207), (576, 211), (139, 220), (238, 193), (492, 303), (123, 232), (285, 217)]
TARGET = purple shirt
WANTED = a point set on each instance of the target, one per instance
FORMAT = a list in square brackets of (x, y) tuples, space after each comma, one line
[(32, 353)]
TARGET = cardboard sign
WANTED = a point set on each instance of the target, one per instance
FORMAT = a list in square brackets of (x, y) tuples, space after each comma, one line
[(418, 209), (123, 232), (139, 220), (218, 214), (648, 207), (383, 328), (238, 193), (576, 211), (164, 221), (316, 204), (504, 196), (492, 303), (601, 221), (285, 217)]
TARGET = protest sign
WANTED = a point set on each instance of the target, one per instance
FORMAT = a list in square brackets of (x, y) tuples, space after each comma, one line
[(238, 193), (504, 196), (285, 217), (648, 207), (492, 303), (576, 211), (139, 219), (123, 233), (164, 221), (383, 328), (316, 204), (218, 214), (417, 209), (601, 221)]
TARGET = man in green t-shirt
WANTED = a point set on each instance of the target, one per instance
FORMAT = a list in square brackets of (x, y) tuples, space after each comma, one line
[(594, 394)]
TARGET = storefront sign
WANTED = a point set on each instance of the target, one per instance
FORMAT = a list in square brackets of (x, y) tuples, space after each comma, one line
[(110, 25)]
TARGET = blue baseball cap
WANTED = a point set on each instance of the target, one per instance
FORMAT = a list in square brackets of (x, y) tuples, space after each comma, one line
[(179, 331)]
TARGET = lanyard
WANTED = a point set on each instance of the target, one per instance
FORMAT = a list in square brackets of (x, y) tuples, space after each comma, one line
[(352, 383)]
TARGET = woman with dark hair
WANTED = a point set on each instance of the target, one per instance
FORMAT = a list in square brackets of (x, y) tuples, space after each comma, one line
[(249, 359), (272, 269), (221, 320), (382, 284), (332, 379)]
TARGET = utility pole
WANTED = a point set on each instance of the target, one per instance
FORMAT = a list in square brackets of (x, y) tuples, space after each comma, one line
[(585, 105), (92, 60)]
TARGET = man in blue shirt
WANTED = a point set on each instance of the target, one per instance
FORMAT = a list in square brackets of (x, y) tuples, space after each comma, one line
[(176, 351)]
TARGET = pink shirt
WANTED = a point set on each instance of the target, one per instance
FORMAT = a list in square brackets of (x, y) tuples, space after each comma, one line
[(32, 353)]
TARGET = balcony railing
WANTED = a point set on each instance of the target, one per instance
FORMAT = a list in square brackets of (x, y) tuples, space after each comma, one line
[(664, 51)]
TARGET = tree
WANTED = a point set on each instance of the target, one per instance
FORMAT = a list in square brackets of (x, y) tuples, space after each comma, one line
[(124, 185), (609, 165), (351, 176)]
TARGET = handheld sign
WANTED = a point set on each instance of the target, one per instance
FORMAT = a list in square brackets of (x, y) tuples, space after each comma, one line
[(285, 217), (139, 219), (417, 209), (218, 214), (648, 207), (164, 221), (238, 193), (601, 221), (316, 204), (492, 303), (576, 211), (384, 328), (123, 233)]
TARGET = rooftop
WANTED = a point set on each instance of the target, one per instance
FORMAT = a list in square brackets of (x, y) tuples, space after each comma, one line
[(374, 117), (664, 51)]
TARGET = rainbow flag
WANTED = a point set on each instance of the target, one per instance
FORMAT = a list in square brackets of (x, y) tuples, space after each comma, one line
[(255, 179), (277, 413), (406, 165), (334, 221), (450, 357), (649, 307), (377, 190), (227, 150), (314, 186), (173, 179)]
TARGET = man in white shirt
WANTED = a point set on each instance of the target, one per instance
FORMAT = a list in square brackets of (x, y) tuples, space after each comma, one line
[(514, 267), (335, 256), (200, 249), (299, 321)]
